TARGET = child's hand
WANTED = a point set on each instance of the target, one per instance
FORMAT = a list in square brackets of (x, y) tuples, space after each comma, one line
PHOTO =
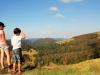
[(22, 32), (23, 35)]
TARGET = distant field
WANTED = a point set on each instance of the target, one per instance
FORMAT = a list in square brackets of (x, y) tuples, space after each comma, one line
[(30, 52), (64, 41)]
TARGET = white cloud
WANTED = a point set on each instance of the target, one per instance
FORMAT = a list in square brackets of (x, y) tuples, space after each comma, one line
[(54, 9), (49, 27), (59, 15), (74, 20), (68, 1)]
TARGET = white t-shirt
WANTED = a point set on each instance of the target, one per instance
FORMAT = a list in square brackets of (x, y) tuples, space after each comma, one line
[(16, 42)]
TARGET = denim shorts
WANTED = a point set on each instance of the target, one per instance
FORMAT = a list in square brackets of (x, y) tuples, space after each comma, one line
[(17, 55)]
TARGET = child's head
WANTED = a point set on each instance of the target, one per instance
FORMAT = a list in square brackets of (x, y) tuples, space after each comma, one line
[(2, 26), (17, 31)]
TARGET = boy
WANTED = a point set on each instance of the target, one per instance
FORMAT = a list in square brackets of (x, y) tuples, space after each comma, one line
[(17, 51)]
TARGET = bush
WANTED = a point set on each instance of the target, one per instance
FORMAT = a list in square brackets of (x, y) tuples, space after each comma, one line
[(26, 57)]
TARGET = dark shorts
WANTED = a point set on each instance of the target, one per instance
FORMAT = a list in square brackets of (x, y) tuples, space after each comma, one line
[(17, 55)]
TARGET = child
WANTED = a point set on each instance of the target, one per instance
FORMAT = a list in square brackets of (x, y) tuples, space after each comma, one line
[(17, 51), (4, 48)]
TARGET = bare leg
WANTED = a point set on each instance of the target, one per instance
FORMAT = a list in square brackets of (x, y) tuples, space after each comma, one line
[(14, 66), (2, 58), (8, 56), (19, 67)]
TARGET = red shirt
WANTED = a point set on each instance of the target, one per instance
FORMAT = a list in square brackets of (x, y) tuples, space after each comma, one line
[(1, 41)]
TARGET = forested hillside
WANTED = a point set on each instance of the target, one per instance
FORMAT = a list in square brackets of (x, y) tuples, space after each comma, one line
[(83, 47), (42, 41)]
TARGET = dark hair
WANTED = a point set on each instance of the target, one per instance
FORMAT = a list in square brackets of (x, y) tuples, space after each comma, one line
[(2, 24), (17, 30)]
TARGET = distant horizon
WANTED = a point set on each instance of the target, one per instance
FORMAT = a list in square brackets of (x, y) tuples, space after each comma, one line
[(41, 38), (56, 37)]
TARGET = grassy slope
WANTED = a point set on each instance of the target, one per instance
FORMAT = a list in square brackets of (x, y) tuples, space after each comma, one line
[(89, 67)]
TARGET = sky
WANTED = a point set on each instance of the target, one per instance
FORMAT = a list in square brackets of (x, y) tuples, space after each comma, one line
[(50, 18)]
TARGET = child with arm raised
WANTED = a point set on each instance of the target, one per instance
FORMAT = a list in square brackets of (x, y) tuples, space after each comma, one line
[(17, 49)]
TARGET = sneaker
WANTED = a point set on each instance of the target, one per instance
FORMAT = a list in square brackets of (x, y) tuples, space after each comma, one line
[(10, 69), (20, 73)]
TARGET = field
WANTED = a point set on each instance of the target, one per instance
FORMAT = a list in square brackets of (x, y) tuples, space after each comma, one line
[(90, 67)]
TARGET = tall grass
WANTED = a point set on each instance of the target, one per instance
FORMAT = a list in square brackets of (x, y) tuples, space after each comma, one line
[(90, 67), (70, 71)]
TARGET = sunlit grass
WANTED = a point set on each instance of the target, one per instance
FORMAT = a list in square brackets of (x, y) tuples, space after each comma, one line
[(90, 67)]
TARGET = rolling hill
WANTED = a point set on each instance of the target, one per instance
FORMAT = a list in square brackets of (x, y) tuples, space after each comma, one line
[(43, 41), (74, 50)]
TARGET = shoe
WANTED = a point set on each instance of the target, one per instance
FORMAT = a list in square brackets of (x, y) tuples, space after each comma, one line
[(14, 72), (10, 69), (20, 73), (3, 68)]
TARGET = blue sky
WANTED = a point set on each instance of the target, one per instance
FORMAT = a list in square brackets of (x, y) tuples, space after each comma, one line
[(50, 18)]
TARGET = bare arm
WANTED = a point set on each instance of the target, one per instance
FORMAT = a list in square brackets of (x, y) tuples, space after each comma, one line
[(4, 39), (11, 44), (23, 35)]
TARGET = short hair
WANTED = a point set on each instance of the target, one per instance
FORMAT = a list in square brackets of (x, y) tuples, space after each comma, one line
[(17, 30)]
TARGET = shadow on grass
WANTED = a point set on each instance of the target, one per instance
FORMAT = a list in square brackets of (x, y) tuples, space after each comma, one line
[(29, 68)]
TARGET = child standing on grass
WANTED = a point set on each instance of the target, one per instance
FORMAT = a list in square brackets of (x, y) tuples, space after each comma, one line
[(4, 48), (17, 51)]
